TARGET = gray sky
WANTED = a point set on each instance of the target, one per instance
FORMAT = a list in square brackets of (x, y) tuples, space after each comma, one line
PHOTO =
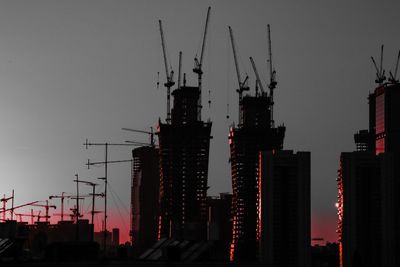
[(71, 70)]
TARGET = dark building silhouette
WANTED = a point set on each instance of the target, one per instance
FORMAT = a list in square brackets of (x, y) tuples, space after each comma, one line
[(144, 197), (254, 133), (283, 222), (184, 152), (368, 186), (325, 256), (219, 226)]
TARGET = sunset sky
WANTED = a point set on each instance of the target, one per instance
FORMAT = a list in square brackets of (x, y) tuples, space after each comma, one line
[(71, 70)]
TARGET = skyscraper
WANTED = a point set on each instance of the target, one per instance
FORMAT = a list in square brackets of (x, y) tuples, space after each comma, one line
[(283, 222), (184, 152), (368, 186), (386, 117), (144, 197), (254, 133)]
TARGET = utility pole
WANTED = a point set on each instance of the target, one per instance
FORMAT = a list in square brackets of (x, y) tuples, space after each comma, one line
[(87, 144)]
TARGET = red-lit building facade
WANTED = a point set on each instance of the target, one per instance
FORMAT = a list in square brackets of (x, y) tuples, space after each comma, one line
[(387, 117), (254, 133), (369, 185)]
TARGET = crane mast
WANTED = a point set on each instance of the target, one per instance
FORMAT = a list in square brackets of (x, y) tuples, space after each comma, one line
[(394, 76), (180, 69), (199, 63), (258, 81), (169, 74), (380, 72), (272, 76), (242, 84)]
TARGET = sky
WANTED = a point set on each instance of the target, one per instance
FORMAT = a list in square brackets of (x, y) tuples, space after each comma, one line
[(71, 70)]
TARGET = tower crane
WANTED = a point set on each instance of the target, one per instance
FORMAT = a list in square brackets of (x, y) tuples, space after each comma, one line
[(180, 69), (168, 73), (258, 81), (242, 84), (272, 76), (151, 133), (380, 73), (198, 64), (393, 77), (46, 206)]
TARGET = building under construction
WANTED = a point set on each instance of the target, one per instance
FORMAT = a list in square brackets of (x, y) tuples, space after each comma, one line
[(368, 184), (144, 199), (184, 142), (254, 133), (184, 151)]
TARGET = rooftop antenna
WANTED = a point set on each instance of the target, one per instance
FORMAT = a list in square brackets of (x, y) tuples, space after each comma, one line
[(151, 133), (258, 80), (199, 63), (393, 76), (272, 76), (169, 74), (242, 84), (380, 72), (106, 162)]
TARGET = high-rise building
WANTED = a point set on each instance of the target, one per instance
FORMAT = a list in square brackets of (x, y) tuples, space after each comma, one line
[(144, 197), (184, 152), (368, 186), (283, 222), (254, 133), (385, 121), (368, 207), (219, 226)]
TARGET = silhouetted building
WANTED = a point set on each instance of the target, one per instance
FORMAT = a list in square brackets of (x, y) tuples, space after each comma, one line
[(219, 226), (325, 256), (368, 186), (115, 236), (184, 152), (283, 220), (368, 209), (254, 133), (145, 186)]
